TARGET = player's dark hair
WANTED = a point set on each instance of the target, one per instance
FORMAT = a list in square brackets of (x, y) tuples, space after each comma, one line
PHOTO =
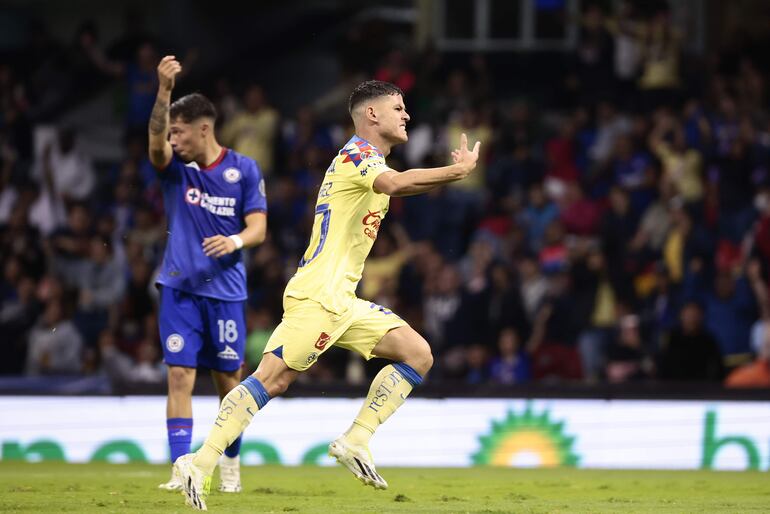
[(192, 107), (371, 89)]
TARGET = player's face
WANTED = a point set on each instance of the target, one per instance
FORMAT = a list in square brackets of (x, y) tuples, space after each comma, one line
[(394, 118), (186, 139)]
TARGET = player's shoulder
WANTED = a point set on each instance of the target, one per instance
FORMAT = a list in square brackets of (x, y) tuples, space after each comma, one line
[(244, 164), (236, 158), (357, 151)]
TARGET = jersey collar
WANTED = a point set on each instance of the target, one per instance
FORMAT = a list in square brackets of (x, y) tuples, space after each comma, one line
[(217, 162), (362, 144)]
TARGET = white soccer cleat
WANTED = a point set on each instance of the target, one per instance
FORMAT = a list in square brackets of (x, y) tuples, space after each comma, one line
[(195, 484), (230, 474), (174, 484), (358, 460)]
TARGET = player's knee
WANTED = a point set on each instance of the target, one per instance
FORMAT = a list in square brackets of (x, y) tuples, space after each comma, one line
[(426, 361), (180, 380), (422, 358)]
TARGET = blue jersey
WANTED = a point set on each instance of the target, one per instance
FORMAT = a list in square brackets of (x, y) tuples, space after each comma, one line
[(202, 203)]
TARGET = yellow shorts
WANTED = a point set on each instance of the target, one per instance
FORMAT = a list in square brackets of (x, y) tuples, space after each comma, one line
[(307, 330)]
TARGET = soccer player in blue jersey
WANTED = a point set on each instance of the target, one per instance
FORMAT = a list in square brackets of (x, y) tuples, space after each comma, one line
[(321, 309), (215, 204)]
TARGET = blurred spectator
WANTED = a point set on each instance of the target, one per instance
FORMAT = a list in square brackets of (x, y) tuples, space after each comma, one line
[(101, 286), (532, 285), (556, 325), (627, 358), (260, 327), (761, 230), (396, 70), (684, 243), (595, 291), (19, 309), (617, 228), (755, 374), (731, 176), (304, 133), (145, 368), (594, 54), (72, 175), (19, 240), (729, 307), (137, 302), (501, 305), (538, 215), (253, 130), (147, 233), (691, 352), (681, 164), (70, 245), (610, 125), (141, 78), (579, 214), (477, 367), (511, 366), (468, 194), (627, 49), (632, 170), (54, 346), (512, 174), (660, 306), (660, 43), (442, 301)]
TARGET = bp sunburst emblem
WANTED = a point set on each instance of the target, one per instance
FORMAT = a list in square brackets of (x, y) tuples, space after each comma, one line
[(526, 440)]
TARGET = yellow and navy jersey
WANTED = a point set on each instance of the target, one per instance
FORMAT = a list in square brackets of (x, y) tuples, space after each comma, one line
[(348, 215)]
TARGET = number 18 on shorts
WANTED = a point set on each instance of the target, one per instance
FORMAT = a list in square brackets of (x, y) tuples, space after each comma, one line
[(200, 331)]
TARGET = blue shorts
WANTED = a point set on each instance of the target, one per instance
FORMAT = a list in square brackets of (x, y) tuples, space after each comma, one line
[(200, 331)]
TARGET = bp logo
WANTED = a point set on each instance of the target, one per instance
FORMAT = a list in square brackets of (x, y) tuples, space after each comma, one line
[(526, 440)]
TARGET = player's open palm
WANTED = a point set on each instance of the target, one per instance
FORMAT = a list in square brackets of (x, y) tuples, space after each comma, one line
[(168, 69), (465, 156)]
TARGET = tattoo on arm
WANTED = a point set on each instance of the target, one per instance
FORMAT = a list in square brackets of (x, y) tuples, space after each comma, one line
[(159, 117)]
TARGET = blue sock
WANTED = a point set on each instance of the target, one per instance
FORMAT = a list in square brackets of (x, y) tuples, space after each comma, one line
[(234, 449), (408, 372), (179, 436)]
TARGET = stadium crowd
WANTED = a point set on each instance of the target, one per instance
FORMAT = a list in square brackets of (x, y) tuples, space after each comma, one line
[(617, 231)]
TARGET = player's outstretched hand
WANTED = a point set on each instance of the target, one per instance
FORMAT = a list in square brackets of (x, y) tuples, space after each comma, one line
[(168, 69), (217, 246), (464, 156)]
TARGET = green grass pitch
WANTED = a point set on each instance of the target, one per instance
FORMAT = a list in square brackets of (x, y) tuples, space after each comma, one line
[(107, 488)]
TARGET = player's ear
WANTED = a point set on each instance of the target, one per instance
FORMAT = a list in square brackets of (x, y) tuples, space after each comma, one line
[(205, 128), (371, 113)]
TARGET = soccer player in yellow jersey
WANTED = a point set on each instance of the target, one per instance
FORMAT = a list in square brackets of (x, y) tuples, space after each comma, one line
[(320, 306)]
